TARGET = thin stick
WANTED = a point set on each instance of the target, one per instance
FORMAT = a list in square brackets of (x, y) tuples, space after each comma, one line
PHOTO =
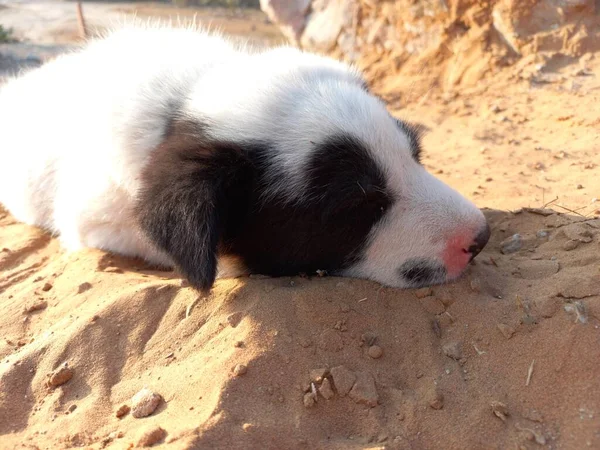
[(81, 22), (529, 373)]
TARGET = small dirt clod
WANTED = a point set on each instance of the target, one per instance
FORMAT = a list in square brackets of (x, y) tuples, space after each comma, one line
[(151, 436), (37, 306), (122, 411), (60, 376), (240, 370)]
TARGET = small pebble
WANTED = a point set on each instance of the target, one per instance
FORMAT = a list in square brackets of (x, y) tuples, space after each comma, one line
[(437, 400), (122, 411), (317, 375), (375, 351), (239, 370), (47, 287), (151, 436), (309, 400), (84, 287), (500, 410), (72, 408), (506, 330), (235, 319), (325, 389), (512, 244), (144, 403), (238, 344), (570, 245), (60, 376), (424, 292)]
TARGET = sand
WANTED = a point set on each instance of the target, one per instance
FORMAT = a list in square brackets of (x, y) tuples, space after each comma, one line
[(508, 357)]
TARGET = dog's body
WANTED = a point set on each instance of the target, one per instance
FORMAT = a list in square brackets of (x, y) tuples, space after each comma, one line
[(176, 146)]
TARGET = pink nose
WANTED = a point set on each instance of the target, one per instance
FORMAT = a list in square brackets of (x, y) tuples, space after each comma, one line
[(461, 249)]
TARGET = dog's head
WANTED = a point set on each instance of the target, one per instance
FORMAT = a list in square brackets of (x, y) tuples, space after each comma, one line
[(297, 168)]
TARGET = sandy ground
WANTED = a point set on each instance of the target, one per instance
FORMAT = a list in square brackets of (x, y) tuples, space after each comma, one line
[(506, 358)]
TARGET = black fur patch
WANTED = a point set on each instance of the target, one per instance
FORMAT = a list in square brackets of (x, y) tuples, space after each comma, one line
[(346, 197), (421, 272), (202, 198), (190, 193)]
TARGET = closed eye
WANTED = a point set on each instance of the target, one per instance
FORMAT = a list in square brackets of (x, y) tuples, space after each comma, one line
[(414, 138)]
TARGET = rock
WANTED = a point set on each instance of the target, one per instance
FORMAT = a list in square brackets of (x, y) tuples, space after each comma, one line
[(151, 436), (122, 411), (375, 351), (453, 350), (500, 410), (144, 403), (343, 379), (424, 292), (506, 330), (317, 375), (47, 287), (325, 25), (72, 408), (364, 391), (60, 376), (325, 389), (84, 287), (437, 399), (512, 244), (535, 270), (240, 370), (309, 400)]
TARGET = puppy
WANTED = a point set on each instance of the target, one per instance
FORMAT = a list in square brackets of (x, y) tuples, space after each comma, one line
[(180, 147)]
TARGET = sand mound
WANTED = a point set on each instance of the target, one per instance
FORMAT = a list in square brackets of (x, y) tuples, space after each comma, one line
[(506, 357)]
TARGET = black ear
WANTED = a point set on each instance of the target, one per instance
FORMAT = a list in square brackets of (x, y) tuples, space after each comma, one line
[(189, 187)]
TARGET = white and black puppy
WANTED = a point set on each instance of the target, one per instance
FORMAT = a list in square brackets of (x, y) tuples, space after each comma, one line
[(177, 146)]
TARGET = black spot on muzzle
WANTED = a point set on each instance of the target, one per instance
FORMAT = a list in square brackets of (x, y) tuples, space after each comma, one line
[(422, 272)]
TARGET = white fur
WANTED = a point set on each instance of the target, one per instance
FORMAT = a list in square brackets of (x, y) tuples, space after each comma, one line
[(76, 133)]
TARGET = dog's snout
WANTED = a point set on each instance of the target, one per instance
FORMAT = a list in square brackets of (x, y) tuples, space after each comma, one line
[(480, 242)]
